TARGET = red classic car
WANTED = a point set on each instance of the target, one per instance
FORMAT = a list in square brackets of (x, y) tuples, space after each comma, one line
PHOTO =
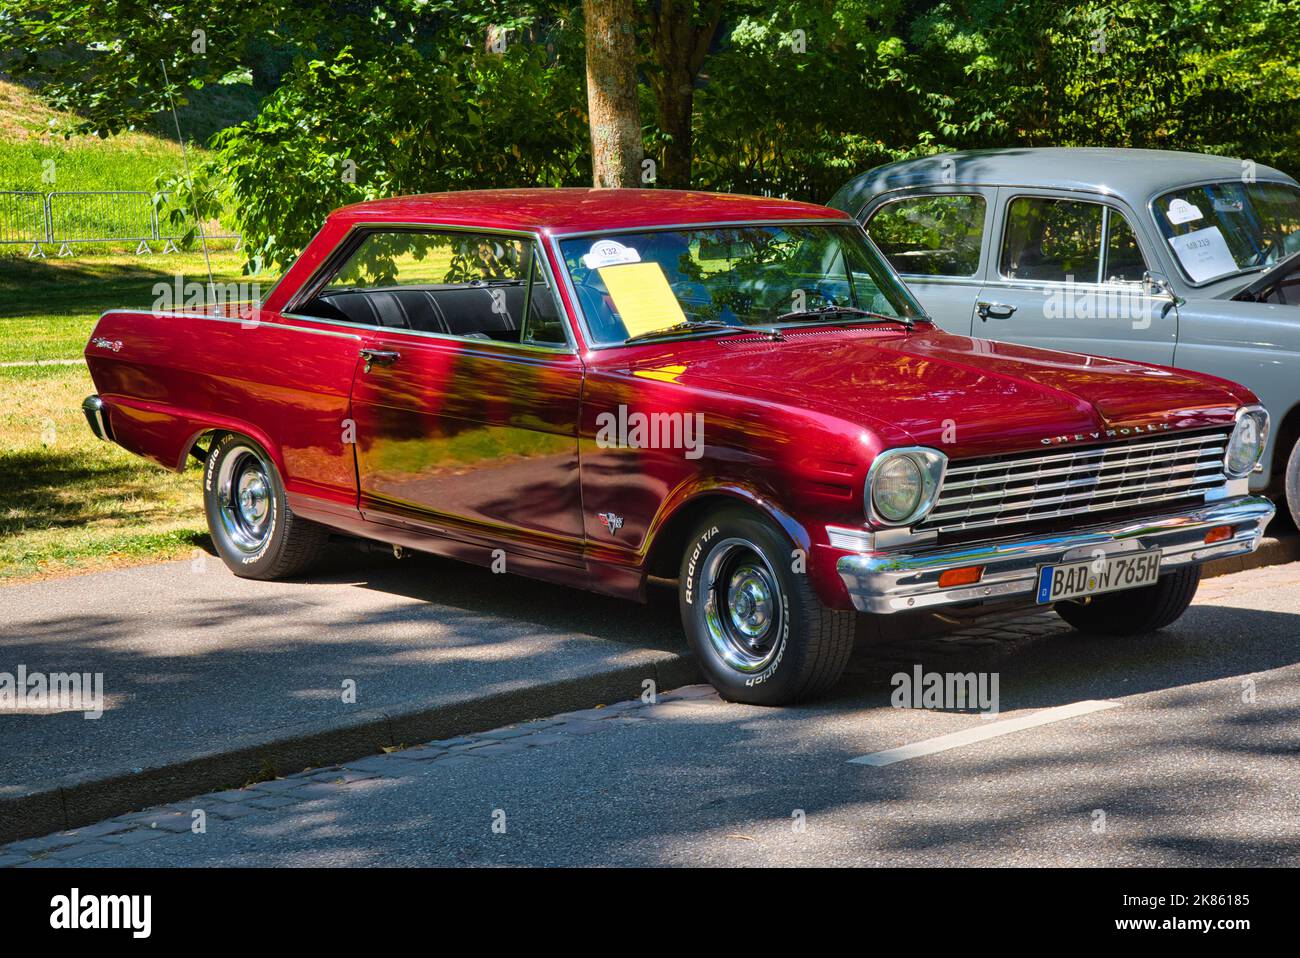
[(603, 388)]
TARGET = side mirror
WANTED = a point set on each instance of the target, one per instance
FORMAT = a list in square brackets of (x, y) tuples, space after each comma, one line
[(1156, 285)]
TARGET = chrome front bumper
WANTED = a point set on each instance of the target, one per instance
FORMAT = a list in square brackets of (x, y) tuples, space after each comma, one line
[(901, 581)]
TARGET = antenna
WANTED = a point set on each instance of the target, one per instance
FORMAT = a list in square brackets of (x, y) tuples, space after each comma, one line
[(189, 180)]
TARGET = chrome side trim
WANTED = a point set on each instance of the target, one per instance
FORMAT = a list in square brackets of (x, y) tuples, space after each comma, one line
[(179, 314), (886, 582)]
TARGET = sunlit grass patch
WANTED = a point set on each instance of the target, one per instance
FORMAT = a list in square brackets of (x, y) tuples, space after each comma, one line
[(69, 501)]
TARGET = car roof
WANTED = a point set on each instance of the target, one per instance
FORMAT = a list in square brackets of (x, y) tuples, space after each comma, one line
[(1137, 175), (572, 210)]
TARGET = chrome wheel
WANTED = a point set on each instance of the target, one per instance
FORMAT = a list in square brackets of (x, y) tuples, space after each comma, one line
[(245, 500), (742, 605)]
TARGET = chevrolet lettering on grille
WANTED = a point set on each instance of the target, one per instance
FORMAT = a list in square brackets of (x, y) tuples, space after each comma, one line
[(1097, 436)]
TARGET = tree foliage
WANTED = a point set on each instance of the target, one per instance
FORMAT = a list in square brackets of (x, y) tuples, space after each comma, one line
[(787, 97)]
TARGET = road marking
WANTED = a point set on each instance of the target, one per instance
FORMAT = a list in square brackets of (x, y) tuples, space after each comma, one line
[(979, 733)]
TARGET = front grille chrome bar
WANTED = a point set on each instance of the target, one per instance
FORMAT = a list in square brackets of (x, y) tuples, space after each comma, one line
[(1036, 486)]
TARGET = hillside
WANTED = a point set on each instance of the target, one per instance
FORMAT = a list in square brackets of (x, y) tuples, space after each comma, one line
[(31, 135)]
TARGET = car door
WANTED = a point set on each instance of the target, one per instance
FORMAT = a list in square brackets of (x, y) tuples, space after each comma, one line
[(465, 399), (1068, 274), (934, 239)]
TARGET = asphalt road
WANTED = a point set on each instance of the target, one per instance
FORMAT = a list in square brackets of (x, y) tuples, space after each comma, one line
[(1192, 761)]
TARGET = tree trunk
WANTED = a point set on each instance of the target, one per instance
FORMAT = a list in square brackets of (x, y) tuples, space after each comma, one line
[(676, 101), (680, 32), (612, 103)]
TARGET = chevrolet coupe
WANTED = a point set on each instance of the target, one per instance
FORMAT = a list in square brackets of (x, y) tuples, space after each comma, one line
[(734, 395)]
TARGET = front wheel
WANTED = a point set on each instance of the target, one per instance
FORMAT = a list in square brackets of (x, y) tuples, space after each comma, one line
[(1135, 611), (757, 628), (255, 532)]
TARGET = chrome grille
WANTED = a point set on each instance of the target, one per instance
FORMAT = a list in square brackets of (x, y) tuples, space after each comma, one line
[(1035, 486)]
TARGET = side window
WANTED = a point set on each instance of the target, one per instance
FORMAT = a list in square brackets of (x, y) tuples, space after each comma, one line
[(1052, 240), (457, 284), (543, 326), (1124, 262), (931, 235)]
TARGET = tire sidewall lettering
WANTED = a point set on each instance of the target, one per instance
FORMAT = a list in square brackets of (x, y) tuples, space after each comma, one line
[(770, 671), (694, 562)]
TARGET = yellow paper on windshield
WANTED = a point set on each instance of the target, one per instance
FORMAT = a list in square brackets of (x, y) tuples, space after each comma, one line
[(642, 297)]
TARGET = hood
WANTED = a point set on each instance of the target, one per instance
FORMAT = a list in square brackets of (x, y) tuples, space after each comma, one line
[(967, 397)]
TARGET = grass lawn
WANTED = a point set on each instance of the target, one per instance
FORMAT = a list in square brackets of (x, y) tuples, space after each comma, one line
[(69, 502)]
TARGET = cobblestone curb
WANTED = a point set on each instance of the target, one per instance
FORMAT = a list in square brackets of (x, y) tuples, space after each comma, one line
[(316, 784)]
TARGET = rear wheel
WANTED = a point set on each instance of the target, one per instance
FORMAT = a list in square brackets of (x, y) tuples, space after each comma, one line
[(758, 630), (255, 532), (1135, 611)]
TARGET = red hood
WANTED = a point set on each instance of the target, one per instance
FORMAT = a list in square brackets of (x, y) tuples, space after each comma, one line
[(928, 386)]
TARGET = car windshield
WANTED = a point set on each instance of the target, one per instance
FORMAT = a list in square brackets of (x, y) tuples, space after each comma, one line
[(1228, 228), (682, 281)]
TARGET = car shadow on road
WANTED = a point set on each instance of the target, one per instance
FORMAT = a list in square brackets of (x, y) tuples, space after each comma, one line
[(1041, 662), (472, 589)]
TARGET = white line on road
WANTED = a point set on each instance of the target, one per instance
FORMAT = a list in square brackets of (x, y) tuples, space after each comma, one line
[(979, 733)]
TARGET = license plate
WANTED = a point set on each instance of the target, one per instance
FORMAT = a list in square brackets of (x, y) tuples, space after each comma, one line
[(1071, 580)]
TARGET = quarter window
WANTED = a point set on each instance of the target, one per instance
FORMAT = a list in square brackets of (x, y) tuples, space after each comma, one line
[(931, 235)]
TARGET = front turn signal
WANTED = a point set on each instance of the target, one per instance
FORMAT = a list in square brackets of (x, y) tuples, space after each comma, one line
[(966, 575)]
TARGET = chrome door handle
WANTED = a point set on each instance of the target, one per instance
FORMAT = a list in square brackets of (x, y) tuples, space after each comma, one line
[(994, 310), (379, 357)]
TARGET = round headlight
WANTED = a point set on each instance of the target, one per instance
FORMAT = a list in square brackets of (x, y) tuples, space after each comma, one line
[(1246, 447), (897, 488)]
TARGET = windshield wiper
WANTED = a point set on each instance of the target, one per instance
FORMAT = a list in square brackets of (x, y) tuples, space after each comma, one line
[(689, 326), (844, 311)]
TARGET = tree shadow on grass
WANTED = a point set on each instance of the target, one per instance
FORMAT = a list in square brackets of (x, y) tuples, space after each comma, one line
[(39, 287), (45, 489)]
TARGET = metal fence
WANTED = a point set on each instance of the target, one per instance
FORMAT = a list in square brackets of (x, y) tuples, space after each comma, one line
[(24, 218), (87, 216)]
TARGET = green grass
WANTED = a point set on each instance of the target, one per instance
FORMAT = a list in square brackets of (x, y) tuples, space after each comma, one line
[(34, 155), (83, 164), (69, 502), (49, 306)]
